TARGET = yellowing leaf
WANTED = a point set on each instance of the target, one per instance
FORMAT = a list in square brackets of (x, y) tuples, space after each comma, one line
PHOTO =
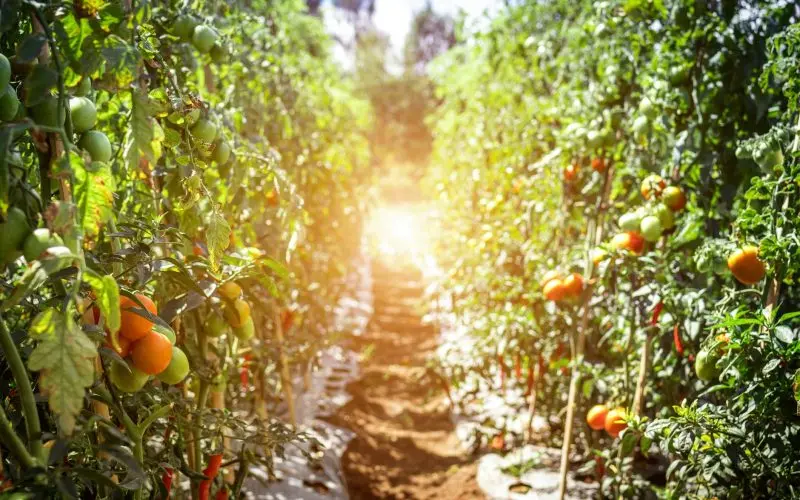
[(217, 238), (106, 292), (64, 356)]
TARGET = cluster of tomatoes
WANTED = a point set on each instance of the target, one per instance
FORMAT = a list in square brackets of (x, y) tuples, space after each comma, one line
[(600, 417), (558, 288), (235, 315), (650, 222), (147, 352), (571, 170)]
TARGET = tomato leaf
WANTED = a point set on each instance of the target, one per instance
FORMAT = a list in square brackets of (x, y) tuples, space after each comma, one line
[(94, 194), (107, 297), (217, 238), (64, 356)]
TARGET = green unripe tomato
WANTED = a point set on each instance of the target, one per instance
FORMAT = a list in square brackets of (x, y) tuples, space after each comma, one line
[(84, 87), (204, 131), (38, 242), (665, 216), (178, 368), (246, 331), (14, 231), (768, 158), (46, 113), (97, 145), (218, 54), (165, 331), (216, 326), (203, 38), (651, 228), (222, 153), (83, 113), (218, 384), (630, 221), (127, 381), (5, 72), (705, 366), (9, 104), (184, 27)]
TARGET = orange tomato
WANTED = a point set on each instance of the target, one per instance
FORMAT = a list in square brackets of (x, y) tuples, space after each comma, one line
[(652, 184), (554, 290), (548, 277), (230, 290), (746, 266), (631, 241), (570, 172), (197, 249), (133, 326), (573, 284), (614, 423), (596, 417), (272, 198), (598, 165), (237, 315), (674, 198), (124, 346), (152, 353)]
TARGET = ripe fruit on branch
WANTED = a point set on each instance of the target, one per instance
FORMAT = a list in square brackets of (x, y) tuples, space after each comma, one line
[(573, 285), (83, 114), (554, 290), (596, 417), (238, 314), (674, 198), (652, 185), (97, 145), (651, 228), (548, 277), (127, 381), (746, 266), (570, 172), (124, 345), (631, 241), (133, 325), (178, 368), (615, 423), (598, 165), (152, 353)]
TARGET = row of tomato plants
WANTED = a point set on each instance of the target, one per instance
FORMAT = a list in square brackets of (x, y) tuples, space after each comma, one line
[(618, 182), (179, 190)]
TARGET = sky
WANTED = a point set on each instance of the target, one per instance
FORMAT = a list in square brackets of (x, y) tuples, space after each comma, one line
[(393, 17)]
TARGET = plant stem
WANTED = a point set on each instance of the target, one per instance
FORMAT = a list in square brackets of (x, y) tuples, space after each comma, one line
[(13, 442), (25, 390)]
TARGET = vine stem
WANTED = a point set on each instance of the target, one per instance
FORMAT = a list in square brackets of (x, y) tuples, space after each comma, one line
[(13, 442), (594, 235), (25, 389)]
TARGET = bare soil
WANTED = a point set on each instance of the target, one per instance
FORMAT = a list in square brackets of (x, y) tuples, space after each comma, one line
[(405, 445)]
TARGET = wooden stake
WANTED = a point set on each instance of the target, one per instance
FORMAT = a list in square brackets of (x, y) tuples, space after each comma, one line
[(593, 237), (286, 378)]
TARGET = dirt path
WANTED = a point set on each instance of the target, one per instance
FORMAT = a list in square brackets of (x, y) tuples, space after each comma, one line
[(405, 445)]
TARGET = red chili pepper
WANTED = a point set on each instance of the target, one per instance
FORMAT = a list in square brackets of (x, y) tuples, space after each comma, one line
[(214, 461), (166, 480), (518, 366), (656, 313), (676, 337)]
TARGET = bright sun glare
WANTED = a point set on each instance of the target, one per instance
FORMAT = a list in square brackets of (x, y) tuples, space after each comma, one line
[(398, 231)]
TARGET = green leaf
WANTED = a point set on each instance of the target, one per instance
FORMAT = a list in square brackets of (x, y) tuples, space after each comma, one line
[(94, 194), (106, 293), (64, 356), (217, 238), (31, 47), (145, 135), (5, 141)]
